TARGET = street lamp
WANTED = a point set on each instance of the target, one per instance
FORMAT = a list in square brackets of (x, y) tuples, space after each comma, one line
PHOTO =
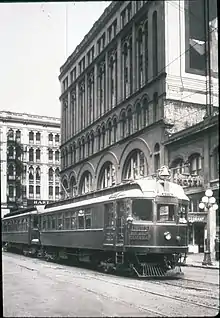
[(208, 204)]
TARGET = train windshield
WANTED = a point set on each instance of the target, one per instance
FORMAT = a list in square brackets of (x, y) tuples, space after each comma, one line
[(166, 212), (142, 210)]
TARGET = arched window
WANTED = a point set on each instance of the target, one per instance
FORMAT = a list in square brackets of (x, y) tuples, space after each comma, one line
[(135, 165), (83, 148), (65, 189), (31, 154), (107, 176), (156, 157), (146, 50), (115, 126), (103, 136), (10, 134), (101, 88), (18, 135), (73, 186), (31, 136), (38, 174), (38, 154), (10, 170), (195, 162), (50, 174), (50, 154), (140, 57), (38, 137), (31, 173), (138, 114), (57, 175), (130, 126), (99, 139), (57, 155), (92, 142), (145, 112), (109, 133), (50, 137), (11, 151), (177, 167), (79, 149), (57, 138), (85, 184), (125, 70), (123, 124), (74, 153), (155, 107), (66, 157), (154, 44), (88, 146)]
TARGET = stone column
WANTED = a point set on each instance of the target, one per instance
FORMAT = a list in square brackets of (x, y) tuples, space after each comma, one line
[(107, 91), (77, 109), (95, 105)]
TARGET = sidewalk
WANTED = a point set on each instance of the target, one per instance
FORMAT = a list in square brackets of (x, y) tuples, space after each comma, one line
[(195, 260)]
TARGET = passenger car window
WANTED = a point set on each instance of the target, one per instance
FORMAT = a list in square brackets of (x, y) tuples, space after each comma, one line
[(81, 219), (142, 209)]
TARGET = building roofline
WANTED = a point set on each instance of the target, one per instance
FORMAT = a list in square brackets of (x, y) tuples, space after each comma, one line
[(90, 35), (7, 116), (207, 123)]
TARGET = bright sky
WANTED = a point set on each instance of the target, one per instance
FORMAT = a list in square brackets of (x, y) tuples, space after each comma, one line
[(33, 47)]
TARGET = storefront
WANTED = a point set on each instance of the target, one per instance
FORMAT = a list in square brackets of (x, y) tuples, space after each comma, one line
[(197, 231)]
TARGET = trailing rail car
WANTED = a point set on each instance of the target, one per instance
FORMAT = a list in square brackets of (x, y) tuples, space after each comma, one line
[(138, 227)]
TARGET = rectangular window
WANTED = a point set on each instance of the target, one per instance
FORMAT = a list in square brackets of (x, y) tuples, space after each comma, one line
[(123, 16), (38, 190), (114, 28), (165, 213), (60, 221), (49, 222), (81, 219), (54, 219), (57, 190), (31, 189), (110, 33), (73, 221), (67, 221), (109, 215), (73, 75), (50, 190), (99, 46), (142, 209), (57, 138), (88, 218)]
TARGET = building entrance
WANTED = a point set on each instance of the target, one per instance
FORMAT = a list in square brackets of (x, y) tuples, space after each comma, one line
[(199, 236)]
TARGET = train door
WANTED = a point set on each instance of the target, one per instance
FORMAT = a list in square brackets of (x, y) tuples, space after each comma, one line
[(120, 212), (109, 223)]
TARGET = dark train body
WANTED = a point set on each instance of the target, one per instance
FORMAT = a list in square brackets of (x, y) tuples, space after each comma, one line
[(139, 227)]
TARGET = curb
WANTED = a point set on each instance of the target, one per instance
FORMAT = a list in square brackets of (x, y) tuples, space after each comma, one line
[(201, 266)]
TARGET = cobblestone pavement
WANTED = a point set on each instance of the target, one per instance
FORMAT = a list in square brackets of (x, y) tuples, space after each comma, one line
[(34, 288)]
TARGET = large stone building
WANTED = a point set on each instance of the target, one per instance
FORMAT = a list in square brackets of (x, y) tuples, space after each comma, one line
[(30, 160), (138, 75)]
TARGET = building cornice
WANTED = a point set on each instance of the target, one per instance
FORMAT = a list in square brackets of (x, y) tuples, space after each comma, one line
[(108, 12)]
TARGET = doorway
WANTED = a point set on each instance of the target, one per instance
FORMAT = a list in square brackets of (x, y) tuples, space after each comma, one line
[(199, 236)]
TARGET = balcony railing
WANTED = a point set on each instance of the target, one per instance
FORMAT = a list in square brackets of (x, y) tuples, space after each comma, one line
[(188, 181)]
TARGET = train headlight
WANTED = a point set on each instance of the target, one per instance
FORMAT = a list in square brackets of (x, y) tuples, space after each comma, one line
[(167, 236), (178, 238)]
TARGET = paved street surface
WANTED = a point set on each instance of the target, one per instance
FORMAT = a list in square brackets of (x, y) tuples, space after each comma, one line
[(33, 288)]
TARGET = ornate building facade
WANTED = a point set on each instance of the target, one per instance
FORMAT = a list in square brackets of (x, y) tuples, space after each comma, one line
[(132, 83), (123, 89), (30, 160)]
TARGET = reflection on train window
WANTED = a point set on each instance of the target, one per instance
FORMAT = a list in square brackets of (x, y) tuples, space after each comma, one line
[(49, 220), (73, 221), (182, 213), (67, 223), (60, 221), (142, 210), (81, 219), (88, 218), (53, 222), (165, 212), (109, 212)]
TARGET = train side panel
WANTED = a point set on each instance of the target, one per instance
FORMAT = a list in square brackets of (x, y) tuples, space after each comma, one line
[(16, 237)]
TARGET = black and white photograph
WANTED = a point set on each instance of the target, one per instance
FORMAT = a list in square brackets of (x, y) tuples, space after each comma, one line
[(109, 155)]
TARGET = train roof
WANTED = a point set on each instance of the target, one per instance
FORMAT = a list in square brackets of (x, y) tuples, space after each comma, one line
[(145, 188)]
